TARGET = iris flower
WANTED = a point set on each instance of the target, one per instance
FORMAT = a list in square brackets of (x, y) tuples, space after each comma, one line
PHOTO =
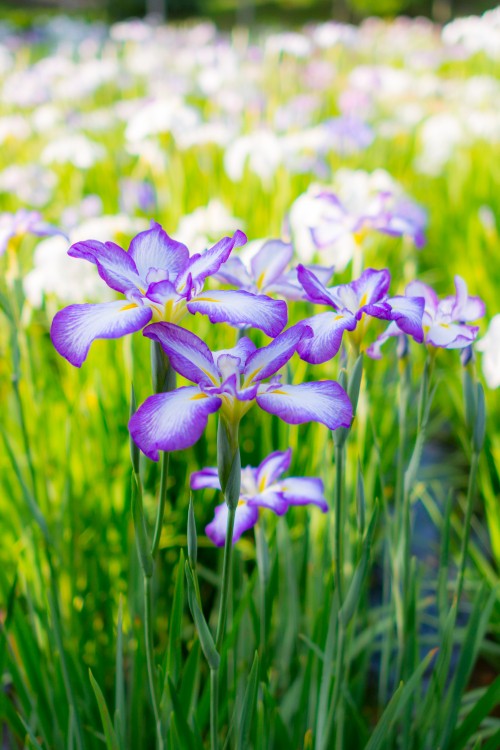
[(230, 381), (159, 281), (349, 302), (20, 223), (261, 487), (444, 321), (266, 271)]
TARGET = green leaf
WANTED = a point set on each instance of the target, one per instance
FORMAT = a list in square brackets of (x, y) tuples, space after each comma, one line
[(355, 383), (379, 738), (204, 634), (120, 722), (192, 540), (109, 732), (355, 589), (189, 740), (482, 709), (249, 704), (480, 421)]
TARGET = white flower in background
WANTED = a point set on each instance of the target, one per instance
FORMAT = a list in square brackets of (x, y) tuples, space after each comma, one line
[(489, 345), (476, 34), (161, 116), (75, 149), (199, 229), (487, 218), (46, 117), (15, 127), (290, 43), (262, 150), (151, 152), (31, 183), (216, 133), (439, 136), (55, 273)]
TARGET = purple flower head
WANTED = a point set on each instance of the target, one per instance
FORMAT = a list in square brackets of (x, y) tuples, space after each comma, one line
[(267, 271), (160, 281), (261, 487), (444, 321), (349, 134), (137, 195), (367, 295), (231, 381), (21, 223)]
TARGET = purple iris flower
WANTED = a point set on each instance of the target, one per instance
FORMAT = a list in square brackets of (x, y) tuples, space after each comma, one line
[(444, 321), (23, 222), (231, 381), (386, 213), (266, 272), (160, 281), (366, 295), (137, 195), (261, 487)]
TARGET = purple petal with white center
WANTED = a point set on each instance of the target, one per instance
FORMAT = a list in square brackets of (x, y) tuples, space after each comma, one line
[(114, 265), (328, 329), (419, 289), (270, 262), (172, 421), (466, 308), (241, 308), (380, 310), (273, 467), (324, 402), (407, 312), (202, 265), (161, 292), (205, 479), (154, 249), (188, 354), (75, 328), (233, 271), (269, 359), (371, 286), (269, 498), (303, 490), (315, 290), (245, 518), (451, 335)]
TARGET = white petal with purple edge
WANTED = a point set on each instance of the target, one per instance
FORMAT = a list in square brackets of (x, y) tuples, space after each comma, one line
[(419, 289), (242, 309), (407, 312), (451, 336), (324, 402), (273, 467), (371, 286), (303, 490), (172, 421), (233, 271), (314, 288), (270, 262), (269, 359), (206, 264), (75, 328), (154, 249), (243, 349), (269, 498), (189, 355), (114, 265), (245, 518), (205, 479), (328, 329)]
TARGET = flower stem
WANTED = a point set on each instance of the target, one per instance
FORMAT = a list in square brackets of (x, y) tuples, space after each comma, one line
[(148, 638), (338, 550), (471, 492), (160, 511)]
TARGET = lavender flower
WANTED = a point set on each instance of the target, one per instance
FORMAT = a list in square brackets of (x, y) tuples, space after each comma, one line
[(261, 487), (364, 296), (17, 225), (160, 281), (231, 381)]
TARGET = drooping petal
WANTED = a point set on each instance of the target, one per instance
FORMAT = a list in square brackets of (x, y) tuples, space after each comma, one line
[(270, 262), (328, 329), (272, 468), (234, 271), (269, 498), (172, 421), (114, 265), (245, 518), (77, 326), (324, 402), (451, 335), (202, 265), (269, 359), (466, 308), (189, 355), (371, 286), (243, 349), (303, 490), (407, 312), (205, 479), (315, 290), (241, 308), (154, 249), (419, 289)]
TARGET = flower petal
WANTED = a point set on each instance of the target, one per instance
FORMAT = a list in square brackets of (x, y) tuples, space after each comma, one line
[(269, 359), (269, 498), (451, 336), (241, 308), (371, 286), (407, 313), (189, 355), (328, 329), (205, 479), (202, 265), (324, 402), (314, 288), (154, 249), (172, 421), (245, 518), (77, 326), (234, 271), (243, 349), (270, 262), (419, 289), (114, 265), (303, 490), (273, 467)]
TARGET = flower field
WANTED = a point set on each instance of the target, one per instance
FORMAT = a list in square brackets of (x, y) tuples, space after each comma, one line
[(250, 353)]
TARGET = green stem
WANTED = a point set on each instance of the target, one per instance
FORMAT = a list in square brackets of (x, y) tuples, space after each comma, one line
[(338, 550), (160, 510), (471, 493), (148, 638)]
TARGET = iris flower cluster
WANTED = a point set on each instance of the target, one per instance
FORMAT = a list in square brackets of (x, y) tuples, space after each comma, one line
[(161, 283)]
